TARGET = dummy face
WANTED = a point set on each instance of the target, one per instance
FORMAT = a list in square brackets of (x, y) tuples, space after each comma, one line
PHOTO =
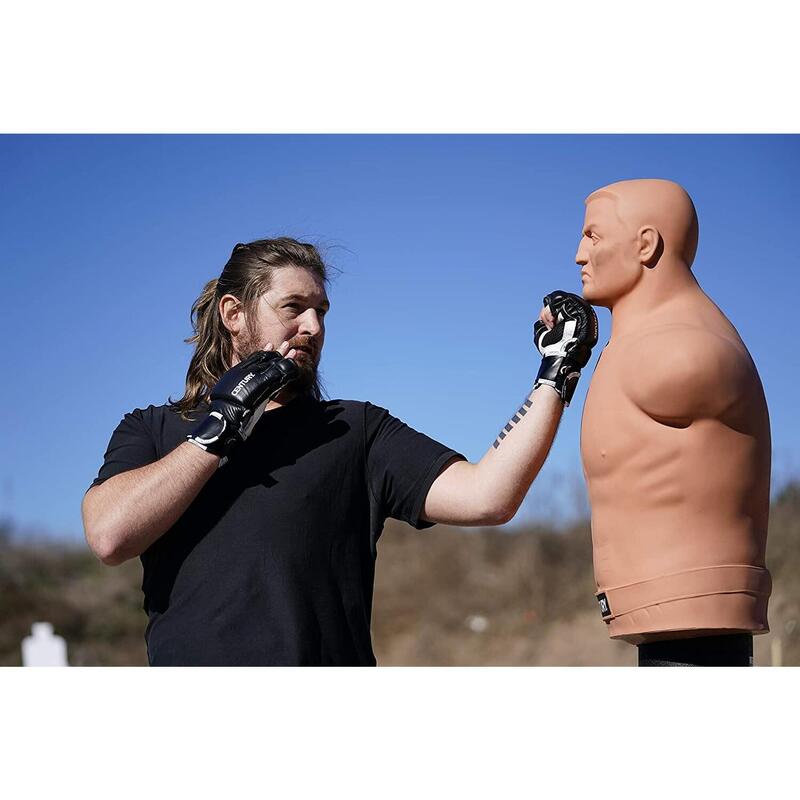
[(607, 254), (292, 310)]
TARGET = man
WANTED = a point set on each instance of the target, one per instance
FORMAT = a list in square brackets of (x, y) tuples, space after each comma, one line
[(256, 506), (675, 440)]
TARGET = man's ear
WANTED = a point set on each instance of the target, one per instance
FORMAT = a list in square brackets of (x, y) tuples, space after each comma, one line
[(231, 313), (651, 246)]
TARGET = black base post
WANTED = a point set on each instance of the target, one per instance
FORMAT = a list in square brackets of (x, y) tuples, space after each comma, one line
[(727, 650)]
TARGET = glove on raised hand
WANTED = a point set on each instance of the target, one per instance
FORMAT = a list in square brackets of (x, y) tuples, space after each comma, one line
[(238, 400), (567, 347)]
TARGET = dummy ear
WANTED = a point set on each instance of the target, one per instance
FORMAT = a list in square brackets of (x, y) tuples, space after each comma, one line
[(651, 246), (231, 312)]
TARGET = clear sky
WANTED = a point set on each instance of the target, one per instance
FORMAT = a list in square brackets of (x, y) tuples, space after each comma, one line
[(446, 245)]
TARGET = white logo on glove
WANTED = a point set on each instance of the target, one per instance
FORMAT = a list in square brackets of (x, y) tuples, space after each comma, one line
[(242, 383)]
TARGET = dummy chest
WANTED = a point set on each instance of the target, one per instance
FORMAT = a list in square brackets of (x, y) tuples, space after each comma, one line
[(612, 428)]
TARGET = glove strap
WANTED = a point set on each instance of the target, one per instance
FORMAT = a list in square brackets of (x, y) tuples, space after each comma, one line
[(213, 435), (560, 373)]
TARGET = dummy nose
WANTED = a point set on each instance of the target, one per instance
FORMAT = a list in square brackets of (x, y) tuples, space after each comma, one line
[(580, 256)]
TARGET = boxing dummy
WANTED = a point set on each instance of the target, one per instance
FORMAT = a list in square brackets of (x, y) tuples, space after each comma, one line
[(675, 440)]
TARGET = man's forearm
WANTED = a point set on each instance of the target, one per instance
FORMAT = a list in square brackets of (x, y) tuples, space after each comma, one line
[(490, 492), (509, 467), (124, 515)]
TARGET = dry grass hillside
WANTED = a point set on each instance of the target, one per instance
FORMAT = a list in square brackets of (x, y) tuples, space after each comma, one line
[(442, 597)]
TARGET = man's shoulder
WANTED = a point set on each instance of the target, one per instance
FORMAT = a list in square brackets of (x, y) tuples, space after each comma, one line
[(354, 406), (362, 412), (155, 417)]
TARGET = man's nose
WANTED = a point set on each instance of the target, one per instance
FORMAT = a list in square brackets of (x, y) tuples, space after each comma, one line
[(310, 323), (581, 257)]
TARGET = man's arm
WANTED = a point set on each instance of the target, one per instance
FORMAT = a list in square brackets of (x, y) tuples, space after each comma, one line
[(124, 515), (491, 491)]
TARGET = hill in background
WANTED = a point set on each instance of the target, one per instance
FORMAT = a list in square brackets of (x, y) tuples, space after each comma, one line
[(444, 596)]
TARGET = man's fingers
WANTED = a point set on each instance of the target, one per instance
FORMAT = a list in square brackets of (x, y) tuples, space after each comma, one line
[(546, 317), (284, 349)]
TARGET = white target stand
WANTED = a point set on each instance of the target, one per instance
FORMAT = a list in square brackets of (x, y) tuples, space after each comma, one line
[(42, 648)]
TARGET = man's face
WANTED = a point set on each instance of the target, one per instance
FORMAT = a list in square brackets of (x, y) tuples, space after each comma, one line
[(292, 310), (607, 254)]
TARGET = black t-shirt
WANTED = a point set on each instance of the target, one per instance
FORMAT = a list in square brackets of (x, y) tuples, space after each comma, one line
[(274, 561)]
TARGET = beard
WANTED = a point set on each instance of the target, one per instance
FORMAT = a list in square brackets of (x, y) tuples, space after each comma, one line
[(308, 381)]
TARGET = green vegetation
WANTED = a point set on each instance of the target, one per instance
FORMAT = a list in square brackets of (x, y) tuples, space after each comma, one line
[(444, 596)]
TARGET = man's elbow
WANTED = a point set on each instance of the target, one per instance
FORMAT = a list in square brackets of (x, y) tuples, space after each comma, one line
[(504, 515), (104, 546), (500, 505), (497, 514), (111, 557), (101, 540)]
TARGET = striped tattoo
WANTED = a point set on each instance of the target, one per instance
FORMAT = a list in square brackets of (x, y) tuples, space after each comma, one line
[(521, 412)]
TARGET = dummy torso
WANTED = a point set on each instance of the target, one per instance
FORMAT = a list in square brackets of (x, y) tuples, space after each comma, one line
[(676, 452)]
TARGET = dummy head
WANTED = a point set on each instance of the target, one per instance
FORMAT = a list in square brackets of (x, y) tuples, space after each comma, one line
[(633, 228)]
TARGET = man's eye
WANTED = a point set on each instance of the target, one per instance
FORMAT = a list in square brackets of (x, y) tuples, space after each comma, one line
[(322, 312)]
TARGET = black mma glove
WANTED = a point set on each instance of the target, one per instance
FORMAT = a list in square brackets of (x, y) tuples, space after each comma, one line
[(238, 400), (566, 347)]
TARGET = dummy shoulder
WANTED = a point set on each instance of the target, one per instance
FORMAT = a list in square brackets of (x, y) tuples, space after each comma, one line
[(678, 373)]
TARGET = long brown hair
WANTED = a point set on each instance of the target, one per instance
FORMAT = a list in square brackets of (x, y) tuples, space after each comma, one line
[(247, 275)]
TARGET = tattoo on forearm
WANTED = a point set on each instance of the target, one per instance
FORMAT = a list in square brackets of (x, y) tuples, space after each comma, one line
[(521, 412)]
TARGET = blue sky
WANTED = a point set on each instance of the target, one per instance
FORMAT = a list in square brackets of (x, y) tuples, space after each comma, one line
[(446, 245)]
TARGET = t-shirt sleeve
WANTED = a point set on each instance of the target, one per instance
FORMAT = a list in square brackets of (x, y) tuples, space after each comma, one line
[(131, 446), (402, 464)]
